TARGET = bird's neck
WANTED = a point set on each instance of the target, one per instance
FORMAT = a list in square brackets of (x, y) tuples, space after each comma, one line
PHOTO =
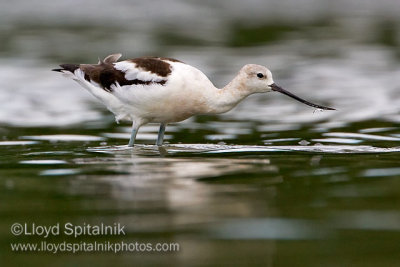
[(228, 97)]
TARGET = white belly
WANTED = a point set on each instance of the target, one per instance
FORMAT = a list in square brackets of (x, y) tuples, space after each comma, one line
[(178, 99), (181, 97)]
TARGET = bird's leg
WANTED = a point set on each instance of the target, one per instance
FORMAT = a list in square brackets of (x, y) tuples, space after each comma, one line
[(133, 134), (160, 137)]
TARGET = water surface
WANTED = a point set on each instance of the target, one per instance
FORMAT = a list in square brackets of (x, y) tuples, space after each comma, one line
[(272, 182)]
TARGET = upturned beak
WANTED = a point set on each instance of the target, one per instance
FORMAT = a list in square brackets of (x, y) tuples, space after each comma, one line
[(283, 91)]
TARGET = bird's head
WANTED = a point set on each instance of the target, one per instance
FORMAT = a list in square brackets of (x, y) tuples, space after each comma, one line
[(258, 79)]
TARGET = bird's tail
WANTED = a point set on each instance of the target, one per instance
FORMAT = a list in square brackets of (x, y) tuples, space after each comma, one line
[(68, 67)]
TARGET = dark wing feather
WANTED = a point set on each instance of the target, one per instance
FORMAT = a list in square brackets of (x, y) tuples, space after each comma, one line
[(68, 67), (105, 74)]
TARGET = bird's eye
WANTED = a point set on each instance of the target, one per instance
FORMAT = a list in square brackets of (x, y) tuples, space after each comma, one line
[(260, 75)]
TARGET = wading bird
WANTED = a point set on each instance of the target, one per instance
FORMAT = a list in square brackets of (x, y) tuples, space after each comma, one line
[(165, 90)]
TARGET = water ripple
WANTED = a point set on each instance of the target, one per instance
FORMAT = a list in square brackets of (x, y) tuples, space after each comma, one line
[(64, 137), (267, 228), (222, 149), (43, 162), (17, 143), (381, 172), (362, 136), (316, 148), (338, 140)]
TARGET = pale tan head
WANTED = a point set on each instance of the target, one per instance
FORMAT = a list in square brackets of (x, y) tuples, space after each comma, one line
[(257, 78)]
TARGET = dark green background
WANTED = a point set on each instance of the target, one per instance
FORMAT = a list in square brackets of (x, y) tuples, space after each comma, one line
[(232, 189)]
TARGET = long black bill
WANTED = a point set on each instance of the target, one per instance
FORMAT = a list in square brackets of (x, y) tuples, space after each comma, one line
[(283, 91)]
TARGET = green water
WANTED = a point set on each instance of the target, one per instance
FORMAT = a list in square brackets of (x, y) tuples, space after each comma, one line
[(223, 204), (271, 183)]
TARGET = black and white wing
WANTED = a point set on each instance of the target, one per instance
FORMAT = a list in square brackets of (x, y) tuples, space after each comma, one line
[(104, 78)]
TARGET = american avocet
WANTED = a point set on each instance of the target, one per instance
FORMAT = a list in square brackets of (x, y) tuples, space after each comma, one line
[(165, 90)]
